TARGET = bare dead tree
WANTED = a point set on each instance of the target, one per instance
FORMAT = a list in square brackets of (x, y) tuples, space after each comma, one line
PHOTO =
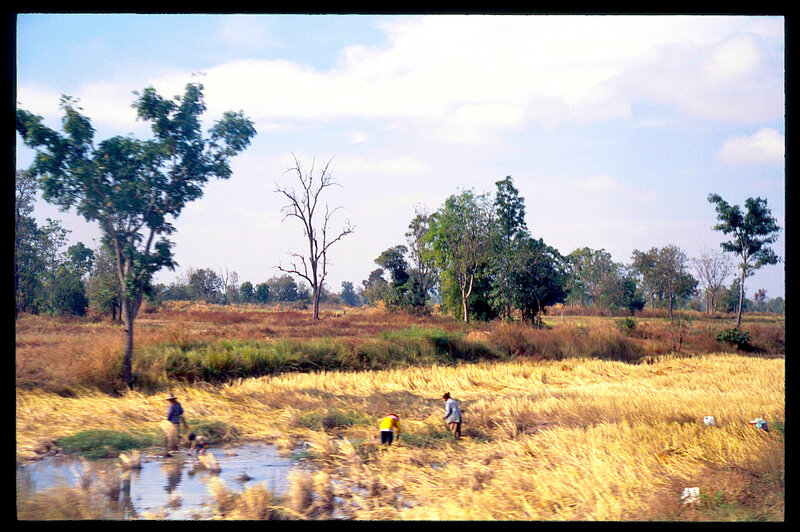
[(712, 269), (230, 283), (303, 206)]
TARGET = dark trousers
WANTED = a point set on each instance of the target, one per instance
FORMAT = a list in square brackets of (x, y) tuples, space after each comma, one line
[(387, 436)]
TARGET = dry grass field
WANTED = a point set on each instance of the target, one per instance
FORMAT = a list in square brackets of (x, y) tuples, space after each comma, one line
[(546, 437)]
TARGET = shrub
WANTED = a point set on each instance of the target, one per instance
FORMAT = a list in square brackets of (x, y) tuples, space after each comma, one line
[(736, 337), (626, 326)]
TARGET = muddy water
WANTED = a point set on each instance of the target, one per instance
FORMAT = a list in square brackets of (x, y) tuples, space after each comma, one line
[(174, 487)]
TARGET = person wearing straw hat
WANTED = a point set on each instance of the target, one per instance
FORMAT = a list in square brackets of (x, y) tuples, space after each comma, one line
[(175, 418), (388, 425), (452, 415)]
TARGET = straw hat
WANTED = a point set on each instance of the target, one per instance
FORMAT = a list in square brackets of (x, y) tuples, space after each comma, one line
[(170, 397)]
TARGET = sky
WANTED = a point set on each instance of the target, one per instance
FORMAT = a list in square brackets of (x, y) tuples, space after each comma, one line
[(615, 129)]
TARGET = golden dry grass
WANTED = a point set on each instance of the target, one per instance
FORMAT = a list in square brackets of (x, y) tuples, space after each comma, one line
[(577, 439)]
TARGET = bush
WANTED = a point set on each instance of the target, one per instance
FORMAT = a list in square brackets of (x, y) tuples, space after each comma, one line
[(626, 326), (736, 337)]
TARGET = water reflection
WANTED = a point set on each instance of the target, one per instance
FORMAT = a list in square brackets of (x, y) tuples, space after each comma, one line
[(173, 470), (155, 488)]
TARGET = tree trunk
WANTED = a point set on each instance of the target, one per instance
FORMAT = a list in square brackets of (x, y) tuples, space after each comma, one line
[(127, 360), (316, 303), (741, 301), (129, 309)]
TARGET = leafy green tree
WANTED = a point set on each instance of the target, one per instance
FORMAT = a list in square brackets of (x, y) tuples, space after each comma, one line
[(664, 273), (246, 292), (776, 305), (178, 292), (349, 297), (375, 287), (731, 299), (28, 264), (102, 287), (511, 228), (283, 288), (65, 293), (205, 285), (597, 274), (462, 234), (133, 187), (80, 258), (752, 232), (262, 293), (393, 260), (536, 277), (420, 253)]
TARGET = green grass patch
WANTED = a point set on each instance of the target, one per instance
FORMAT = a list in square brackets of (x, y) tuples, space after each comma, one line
[(105, 443), (428, 437), (214, 431), (230, 359), (332, 419)]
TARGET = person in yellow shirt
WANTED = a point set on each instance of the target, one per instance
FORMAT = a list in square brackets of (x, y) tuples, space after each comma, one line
[(388, 425)]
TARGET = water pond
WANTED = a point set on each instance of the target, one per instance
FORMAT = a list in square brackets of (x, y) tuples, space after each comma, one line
[(172, 487)]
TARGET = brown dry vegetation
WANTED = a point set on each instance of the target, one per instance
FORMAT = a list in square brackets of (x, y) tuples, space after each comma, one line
[(65, 355)]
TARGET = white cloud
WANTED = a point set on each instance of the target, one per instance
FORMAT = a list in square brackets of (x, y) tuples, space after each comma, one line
[(398, 165), (764, 146), (466, 77)]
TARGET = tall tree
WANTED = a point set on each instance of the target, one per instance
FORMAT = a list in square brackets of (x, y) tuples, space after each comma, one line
[(132, 187), (205, 285), (597, 276), (511, 228), (712, 268), (26, 262), (752, 232), (462, 233), (282, 288), (536, 278), (349, 297), (664, 274), (246, 292), (375, 287), (303, 206), (421, 254)]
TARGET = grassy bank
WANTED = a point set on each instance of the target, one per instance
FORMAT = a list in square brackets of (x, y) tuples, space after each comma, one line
[(206, 343)]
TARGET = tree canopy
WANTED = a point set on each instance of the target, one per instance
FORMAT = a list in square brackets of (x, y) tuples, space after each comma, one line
[(134, 188)]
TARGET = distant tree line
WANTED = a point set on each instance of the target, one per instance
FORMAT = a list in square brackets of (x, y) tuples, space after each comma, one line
[(475, 256)]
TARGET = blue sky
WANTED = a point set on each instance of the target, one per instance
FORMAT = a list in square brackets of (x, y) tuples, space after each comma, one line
[(614, 128)]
